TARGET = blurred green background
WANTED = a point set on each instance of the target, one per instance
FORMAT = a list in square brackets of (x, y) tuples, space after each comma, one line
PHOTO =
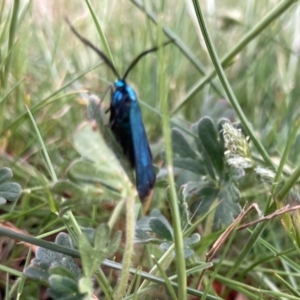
[(45, 67)]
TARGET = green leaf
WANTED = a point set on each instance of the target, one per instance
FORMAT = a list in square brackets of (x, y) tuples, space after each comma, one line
[(84, 171), (161, 227), (166, 245), (96, 113), (193, 165), (188, 252), (104, 246), (193, 239), (156, 223), (85, 285), (159, 224), (56, 259), (62, 271), (47, 259), (91, 144), (9, 191), (143, 222), (216, 184), (214, 149), (104, 166), (202, 199), (62, 286), (207, 164), (5, 174), (142, 237), (37, 272), (229, 208), (68, 189), (181, 146)]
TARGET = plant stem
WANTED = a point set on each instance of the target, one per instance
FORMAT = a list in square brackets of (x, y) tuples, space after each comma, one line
[(225, 61), (178, 236), (229, 92)]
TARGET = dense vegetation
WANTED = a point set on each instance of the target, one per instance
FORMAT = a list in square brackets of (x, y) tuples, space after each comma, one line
[(220, 105)]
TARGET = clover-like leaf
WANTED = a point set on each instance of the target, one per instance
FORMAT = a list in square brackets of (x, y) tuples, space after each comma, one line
[(190, 164), (157, 223), (9, 191), (203, 199), (193, 239), (92, 255), (64, 288), (213, 147), (187, 241), (188, 252), (215, 183), (38, 271), (143, 222), (62, 271), (5, 174), (100, 163), (47, 259), (161, 227), (142, 237), (166, 245), (181, 145), (227, 209)]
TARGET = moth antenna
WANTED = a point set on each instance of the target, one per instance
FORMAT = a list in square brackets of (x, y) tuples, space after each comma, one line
[(135, 61), (89, 44)]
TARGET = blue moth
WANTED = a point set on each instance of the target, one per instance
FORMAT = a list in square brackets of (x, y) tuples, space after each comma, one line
[(127, 124)]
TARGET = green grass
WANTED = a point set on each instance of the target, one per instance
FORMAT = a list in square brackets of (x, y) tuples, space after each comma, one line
[(247, 53)]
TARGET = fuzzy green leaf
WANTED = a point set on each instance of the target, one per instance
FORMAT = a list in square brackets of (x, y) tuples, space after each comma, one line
[(181, 146), (47, 259), (193, 165), (62, 287), (37, 272), (202, 199), (188, 252), (209, 138), (10, 191), (5, 174), (161, 227), (193, 239), (104, 246), (83, 171), (62, 271), (227, 209), (69, 189), (104, 166), (166, 245), (142, 237)]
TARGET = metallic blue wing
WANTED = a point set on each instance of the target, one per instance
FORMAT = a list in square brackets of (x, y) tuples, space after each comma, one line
[(145, 175), (120, 123), (128, 128)]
